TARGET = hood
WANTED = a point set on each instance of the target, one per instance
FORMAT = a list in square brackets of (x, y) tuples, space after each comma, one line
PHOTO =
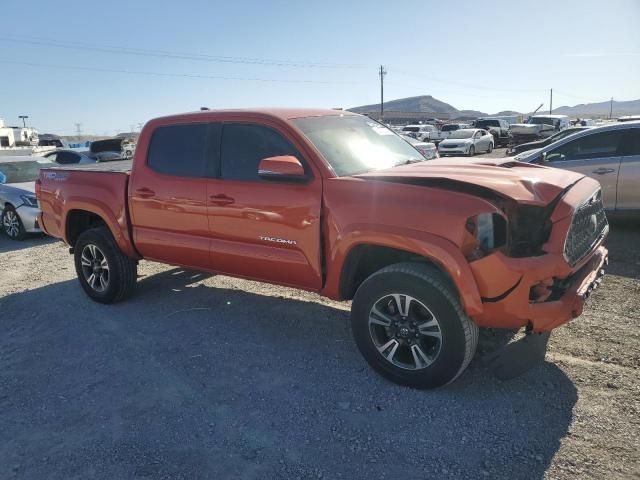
[(29, 187), (522, 182), (455, 141)]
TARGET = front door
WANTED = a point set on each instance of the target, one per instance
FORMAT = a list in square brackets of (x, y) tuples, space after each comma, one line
[(262, 229), (597, 156)]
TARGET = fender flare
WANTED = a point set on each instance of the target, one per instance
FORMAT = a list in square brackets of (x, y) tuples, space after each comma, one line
[(118, 226), (440, 251)]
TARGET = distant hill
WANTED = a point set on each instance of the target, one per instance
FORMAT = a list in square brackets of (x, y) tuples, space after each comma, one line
[(423, 103), (631, 107), (429, 104)]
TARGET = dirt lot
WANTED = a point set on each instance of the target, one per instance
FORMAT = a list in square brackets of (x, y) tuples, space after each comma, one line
[(201, 376)]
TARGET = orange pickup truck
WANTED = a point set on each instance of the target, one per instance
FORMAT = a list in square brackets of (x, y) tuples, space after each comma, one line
[(336, 203)]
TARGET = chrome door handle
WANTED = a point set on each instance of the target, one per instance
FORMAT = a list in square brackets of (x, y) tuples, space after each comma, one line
[(602, 171)]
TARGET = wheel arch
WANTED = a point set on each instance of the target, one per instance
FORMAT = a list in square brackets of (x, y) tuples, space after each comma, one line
[(81, 217), (356, 264)]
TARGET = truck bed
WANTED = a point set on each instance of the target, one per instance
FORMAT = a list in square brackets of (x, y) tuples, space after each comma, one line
[(119, 166)]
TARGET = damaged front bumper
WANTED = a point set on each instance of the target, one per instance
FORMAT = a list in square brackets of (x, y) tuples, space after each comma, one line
[(540, 292)]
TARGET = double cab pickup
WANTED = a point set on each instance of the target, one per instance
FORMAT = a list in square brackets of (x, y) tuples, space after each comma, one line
[(335, 203)]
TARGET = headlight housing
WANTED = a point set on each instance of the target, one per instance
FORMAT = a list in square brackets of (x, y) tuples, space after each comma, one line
[(29, 200), (484, 233)]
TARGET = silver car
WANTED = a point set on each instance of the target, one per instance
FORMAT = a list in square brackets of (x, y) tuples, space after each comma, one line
[(468, 141), (18, 201), (610, 154)]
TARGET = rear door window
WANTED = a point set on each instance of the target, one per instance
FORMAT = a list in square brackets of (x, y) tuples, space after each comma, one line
[(630, 144), (178, 150), (67, 158)]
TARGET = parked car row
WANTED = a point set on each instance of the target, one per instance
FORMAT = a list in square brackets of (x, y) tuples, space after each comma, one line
[(430, 133)]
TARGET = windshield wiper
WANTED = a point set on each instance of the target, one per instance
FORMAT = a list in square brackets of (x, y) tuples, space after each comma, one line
[(410, 160)]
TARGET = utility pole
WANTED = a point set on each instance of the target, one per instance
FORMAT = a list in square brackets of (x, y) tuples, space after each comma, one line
[(551, 101), (382, 73), (23, 117), (78, 129), (611, 109)]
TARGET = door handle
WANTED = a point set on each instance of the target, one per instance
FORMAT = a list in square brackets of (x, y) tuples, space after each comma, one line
[(145, 192), (602, 171), (221, 199)]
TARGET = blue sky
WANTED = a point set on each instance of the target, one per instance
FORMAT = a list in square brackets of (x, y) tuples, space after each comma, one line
[(488, 56)]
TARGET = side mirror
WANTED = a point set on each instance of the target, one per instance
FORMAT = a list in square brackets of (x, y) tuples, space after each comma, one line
[(282, 168), (543, 159)]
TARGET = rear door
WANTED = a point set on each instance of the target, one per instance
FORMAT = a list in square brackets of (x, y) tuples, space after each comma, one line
[(262, 229), (597, 156), (167, 196), (629, 177)]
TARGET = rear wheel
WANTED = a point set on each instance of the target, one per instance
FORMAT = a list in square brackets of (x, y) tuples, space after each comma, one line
[(104, 272), (12, 225), (490, 148), (410, 327)]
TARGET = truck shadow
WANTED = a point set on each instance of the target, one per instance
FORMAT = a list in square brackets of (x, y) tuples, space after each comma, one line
[(224, 383), (32, 240), (624, 247)]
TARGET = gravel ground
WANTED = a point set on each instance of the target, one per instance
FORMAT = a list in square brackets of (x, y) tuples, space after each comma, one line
[(201, 376)]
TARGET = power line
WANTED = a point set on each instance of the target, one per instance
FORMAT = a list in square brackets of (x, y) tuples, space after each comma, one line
[(185, 75), (467, 85), (167, 54)]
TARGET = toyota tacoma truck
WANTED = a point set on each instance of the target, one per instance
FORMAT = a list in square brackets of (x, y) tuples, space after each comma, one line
[(335, 203)]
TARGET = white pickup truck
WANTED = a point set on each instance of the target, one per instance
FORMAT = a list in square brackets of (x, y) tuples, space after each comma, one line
[(538, 126)]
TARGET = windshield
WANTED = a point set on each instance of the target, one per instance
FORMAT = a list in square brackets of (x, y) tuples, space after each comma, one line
[(543, 121), (462, 134), (487, 123), (449, 128), (22, 171), (355, 144), (411, 129)]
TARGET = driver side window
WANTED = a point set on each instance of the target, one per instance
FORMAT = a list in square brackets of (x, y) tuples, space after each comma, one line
[(599, 145)]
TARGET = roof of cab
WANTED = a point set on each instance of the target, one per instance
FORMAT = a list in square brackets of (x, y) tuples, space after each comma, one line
[(281, 113)]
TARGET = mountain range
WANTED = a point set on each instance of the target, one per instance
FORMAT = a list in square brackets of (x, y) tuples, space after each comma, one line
[(428, 104)]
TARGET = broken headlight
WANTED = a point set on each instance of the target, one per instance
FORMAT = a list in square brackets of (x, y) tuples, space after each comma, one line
[(484, 233)]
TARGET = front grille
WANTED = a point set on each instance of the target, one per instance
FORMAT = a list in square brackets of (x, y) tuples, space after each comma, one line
[(589, 224), (450, 146)]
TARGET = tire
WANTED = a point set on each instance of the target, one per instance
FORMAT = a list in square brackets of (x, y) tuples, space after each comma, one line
[(430, 296), (490, 149), (114, 274), (12, 225), (472, 151)]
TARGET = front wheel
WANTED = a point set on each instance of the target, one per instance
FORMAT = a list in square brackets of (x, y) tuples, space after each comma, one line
[(410, 327), (104, 272), (490, 148), (472, 151)]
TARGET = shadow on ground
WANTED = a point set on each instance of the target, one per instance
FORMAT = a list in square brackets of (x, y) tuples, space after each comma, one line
[(189, 381), (32, 240), (624, 247)]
